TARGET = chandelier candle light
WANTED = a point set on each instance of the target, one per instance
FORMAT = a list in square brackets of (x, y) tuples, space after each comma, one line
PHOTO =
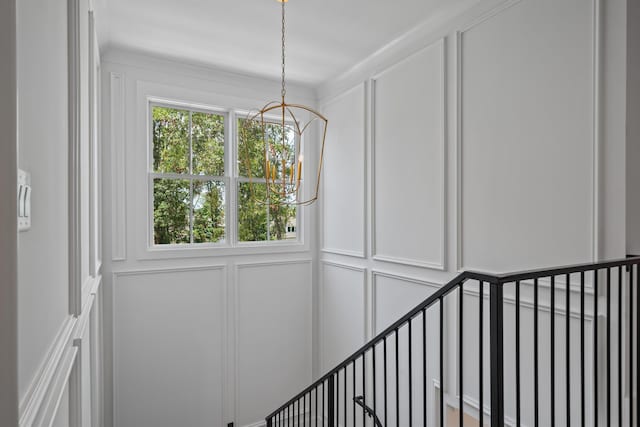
[(282, 136)]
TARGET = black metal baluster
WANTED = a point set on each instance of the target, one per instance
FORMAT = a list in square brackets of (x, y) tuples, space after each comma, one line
[(397, 339), (582, 376), (631, 344), (634, 278), (637, 346), (460, 352), (496, 327), (410, 378), (620, 397), (364, 388), (480, 353), (441, 362), (337, 398), (384, 348), (345, 396), (424, 367), (568, 348), (552, 339), (373, 381), (316, 399), (595, 347), (535, 350), (288, 417), (353, 378), (609, 345), (331, 415), (518, 353), (323, 417)]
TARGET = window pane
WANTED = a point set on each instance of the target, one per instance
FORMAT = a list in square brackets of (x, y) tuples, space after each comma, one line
[(252, 215), (170, 140), (250, 149), (208, 211), (171, 211), (257, 222), (207, 132), (282, 217)]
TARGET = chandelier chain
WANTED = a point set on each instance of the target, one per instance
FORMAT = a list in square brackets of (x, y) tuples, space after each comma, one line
[(284, 89)]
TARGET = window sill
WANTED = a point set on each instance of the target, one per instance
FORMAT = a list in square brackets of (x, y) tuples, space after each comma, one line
[(223, 250)]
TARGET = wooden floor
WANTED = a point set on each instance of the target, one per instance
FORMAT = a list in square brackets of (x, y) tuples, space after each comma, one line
[(453, 419)]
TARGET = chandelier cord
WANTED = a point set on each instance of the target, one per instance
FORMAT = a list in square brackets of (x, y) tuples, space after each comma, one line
[(284, 89)]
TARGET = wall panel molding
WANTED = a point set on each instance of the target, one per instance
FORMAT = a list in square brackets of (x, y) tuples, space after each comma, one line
[(375, 274), (595, 187), (365, 305), (38, 391), (440, 262), (118, 166), (361, 251), (119, 275), (237, 268)]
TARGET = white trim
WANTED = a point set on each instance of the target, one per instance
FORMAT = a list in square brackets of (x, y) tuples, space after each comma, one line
[(50, 406), (75, 141), (33, 399), (441, 263), (323, 248), (596, 187), (117, 138)]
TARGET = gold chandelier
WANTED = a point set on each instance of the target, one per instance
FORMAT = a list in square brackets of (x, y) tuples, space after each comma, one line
[(280, 167)]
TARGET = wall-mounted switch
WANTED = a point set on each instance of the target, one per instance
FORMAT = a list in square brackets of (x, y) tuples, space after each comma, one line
[(24, 200)]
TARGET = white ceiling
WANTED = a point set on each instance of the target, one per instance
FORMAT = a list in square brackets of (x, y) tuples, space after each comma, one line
[(324, 37)]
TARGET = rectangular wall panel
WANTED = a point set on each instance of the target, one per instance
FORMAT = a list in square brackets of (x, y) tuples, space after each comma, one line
[(273, 336), (408, 160), (169, 348), (395, 296), (344, 174), (342, 311), (526, 169)]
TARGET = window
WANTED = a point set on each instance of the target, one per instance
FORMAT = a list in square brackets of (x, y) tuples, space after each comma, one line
[(190, 179)]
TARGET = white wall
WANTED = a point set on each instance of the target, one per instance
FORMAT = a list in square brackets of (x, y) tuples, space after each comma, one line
[(8, 237), (486, 140), (194, 336), (633, 128), (58, 275)]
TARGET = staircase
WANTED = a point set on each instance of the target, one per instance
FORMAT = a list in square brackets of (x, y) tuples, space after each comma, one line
[(537, 348)]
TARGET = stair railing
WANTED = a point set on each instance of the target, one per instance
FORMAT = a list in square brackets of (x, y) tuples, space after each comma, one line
[(398, 379)]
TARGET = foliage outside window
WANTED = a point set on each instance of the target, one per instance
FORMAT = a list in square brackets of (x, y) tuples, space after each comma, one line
[(191, 180)]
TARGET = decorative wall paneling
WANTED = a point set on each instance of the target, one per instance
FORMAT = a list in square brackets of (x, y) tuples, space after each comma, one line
[(117, 142), (66, 385), (480, 66), (267, 288), (343, 309), (408, 160), (273, 320), (554, 201), (344, 212), (169, 346)]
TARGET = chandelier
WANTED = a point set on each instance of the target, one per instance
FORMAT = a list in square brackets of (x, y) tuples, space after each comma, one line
[(279, 166)]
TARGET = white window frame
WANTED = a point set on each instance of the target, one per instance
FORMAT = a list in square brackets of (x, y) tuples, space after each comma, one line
[(231, 180)]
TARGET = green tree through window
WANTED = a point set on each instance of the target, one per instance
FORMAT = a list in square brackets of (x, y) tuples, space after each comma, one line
[(190, 180)]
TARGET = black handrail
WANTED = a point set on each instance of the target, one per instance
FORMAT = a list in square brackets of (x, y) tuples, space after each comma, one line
[(496, 282)]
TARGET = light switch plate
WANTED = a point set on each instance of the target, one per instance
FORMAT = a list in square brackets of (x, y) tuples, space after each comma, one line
[(24, 200)]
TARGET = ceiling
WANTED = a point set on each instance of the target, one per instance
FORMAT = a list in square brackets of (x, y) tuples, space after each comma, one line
[(324, 37)]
